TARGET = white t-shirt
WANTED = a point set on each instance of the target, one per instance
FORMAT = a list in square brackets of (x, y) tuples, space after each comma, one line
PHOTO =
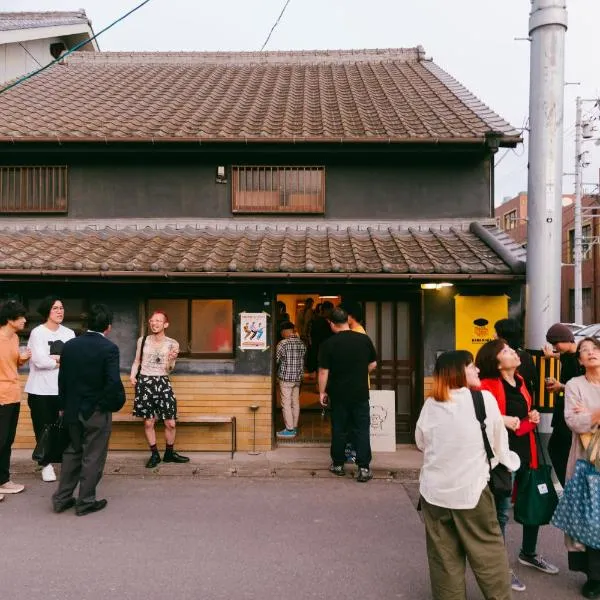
[(43, 370), (455, 467)]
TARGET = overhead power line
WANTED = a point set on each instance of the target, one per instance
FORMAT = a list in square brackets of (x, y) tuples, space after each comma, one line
[(275, 25), (75, 48)]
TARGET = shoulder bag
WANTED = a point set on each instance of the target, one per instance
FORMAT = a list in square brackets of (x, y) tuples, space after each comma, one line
[(578, 511), (139, 369), (500, 477), (52, 443), (536, 497)]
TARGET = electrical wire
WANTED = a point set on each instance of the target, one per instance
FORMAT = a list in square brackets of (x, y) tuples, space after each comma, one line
[(275, 25), (32, 56), (75, 48)]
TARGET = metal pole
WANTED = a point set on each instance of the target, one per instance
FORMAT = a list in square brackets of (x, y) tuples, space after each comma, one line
[(577, 249), (547, 27)]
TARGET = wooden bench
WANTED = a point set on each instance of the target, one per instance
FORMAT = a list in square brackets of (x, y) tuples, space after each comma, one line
[(208, 419)]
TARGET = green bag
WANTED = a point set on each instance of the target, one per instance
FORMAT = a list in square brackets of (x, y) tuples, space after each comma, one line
[(536, 497)]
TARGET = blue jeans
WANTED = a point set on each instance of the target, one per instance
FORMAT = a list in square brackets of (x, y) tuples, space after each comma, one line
[(530, 532)]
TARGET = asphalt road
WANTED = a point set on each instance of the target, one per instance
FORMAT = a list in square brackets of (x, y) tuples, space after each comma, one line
[(183, 538)]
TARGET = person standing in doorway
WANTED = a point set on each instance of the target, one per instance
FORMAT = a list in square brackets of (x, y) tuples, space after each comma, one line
[(46, 342), (154, 398), (89, 390), (345, 360), (561, 342), (12, 321), (319, 332), (289, 357)]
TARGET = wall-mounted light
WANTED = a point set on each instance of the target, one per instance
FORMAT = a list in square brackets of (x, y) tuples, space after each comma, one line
[(436, 286), (221, 176)]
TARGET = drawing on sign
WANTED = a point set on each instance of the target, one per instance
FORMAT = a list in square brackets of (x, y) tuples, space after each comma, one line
[(378, 417)]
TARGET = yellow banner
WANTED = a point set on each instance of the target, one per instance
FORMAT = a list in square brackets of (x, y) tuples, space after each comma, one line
[(475, 318)]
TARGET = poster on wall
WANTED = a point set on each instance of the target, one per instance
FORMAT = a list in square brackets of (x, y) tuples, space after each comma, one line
[(253, 331), (475, 318)]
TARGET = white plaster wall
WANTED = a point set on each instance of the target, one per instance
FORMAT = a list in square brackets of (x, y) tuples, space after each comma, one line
[(15, 61)]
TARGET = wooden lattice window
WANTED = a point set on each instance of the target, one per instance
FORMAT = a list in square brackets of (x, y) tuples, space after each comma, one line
[(33, 189), (278, 189)]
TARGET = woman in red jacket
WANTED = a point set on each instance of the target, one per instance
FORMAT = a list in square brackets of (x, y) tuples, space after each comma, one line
[(498, 364)]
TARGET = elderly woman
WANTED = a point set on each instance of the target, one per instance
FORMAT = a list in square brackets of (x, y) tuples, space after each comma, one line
[(582, 415), (458, 506), (498, 364)]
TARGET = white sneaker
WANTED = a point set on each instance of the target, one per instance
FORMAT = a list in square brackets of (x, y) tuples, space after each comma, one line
[(1, 497), (48, 473), (11, 488)]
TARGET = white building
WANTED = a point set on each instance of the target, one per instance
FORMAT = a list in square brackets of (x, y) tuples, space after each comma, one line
[(29, 40)]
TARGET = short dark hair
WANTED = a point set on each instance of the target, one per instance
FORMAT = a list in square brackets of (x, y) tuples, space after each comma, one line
[(487, 359), (11, 310), (338, 316), (509, 330), (99, 317), (449, 373), (46, 305), (327, 305), (354, 309), (286, 325)]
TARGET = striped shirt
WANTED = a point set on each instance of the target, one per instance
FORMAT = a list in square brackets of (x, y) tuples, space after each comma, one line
[(290, 359)]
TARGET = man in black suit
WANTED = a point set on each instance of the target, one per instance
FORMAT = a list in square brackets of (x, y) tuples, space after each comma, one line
[(90, 389)]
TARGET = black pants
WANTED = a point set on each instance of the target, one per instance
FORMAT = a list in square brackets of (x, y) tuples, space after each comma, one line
[(559, 447), (587, 562), (84, 459), (44, 411), (354, 416), (9, 417)]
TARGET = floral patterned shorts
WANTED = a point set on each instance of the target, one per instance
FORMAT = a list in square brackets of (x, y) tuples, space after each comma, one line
[(154, 398)]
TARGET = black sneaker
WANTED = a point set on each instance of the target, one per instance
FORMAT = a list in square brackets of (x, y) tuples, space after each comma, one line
[(364, 475), (337, 470), (175, 457), (153, 460), (591, 589)]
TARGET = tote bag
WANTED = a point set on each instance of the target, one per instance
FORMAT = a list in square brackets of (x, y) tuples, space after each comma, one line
[(578, 512), (536, 498)]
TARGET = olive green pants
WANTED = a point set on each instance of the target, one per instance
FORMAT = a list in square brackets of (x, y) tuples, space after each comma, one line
[(473, 534)]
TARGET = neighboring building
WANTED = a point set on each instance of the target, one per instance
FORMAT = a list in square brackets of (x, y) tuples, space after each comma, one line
[(211, 184), (29, 40), (511, 216)]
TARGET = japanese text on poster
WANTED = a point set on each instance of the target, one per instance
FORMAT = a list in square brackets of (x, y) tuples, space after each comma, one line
[(253, 331)]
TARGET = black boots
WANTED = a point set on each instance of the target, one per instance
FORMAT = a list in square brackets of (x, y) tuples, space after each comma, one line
[(173, 457), (153, 460)]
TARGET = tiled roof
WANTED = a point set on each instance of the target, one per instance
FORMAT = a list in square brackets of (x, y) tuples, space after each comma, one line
[(386, 96), (393, 250), (32, 20)]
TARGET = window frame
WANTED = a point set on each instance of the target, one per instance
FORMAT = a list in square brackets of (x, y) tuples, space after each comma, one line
[(586, 243), (280, 172), (185, 352), (45, 181)]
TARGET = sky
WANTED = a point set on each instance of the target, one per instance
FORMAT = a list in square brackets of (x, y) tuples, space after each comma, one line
[(474, 40)]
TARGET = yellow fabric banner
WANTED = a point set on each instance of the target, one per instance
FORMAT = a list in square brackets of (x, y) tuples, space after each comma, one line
[(475, 318)]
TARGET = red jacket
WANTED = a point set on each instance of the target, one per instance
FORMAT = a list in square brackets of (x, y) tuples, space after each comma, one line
[(496, 388)]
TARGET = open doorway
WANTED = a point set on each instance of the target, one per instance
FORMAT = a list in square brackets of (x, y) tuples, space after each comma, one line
[(308, 313)]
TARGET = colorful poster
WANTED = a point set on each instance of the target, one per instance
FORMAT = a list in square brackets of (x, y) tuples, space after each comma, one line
[(253, 331), (475, 318)]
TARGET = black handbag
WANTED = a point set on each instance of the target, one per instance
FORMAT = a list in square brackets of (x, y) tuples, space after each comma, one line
[(139, 369), (500, 477), (536, 498), (52, 443)]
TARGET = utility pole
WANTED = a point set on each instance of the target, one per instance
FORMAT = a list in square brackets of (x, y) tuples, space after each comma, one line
[(547, 27), (577, 250)]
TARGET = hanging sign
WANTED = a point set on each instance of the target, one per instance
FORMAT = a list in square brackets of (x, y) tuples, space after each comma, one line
[(475, 318), (253, 331)]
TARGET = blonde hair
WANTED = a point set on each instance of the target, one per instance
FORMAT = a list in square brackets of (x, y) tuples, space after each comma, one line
[(449, 373)]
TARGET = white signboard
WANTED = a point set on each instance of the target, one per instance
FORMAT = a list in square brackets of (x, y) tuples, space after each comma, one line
[(253, 331), (383, 420)]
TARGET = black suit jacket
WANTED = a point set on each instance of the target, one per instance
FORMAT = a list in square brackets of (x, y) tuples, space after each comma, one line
[(89, 378)]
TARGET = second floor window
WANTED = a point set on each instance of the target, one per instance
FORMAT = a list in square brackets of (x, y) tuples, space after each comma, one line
[(586, 243), (33, 189), (510, 220), (278, 189)]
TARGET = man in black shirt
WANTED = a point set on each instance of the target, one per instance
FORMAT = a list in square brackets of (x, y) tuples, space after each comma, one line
[(561, 340), (345, 361)]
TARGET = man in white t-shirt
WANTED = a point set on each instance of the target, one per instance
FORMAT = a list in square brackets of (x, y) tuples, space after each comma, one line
[(45, 342)]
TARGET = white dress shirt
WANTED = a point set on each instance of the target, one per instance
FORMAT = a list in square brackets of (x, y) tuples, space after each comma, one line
[(455, 467)]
